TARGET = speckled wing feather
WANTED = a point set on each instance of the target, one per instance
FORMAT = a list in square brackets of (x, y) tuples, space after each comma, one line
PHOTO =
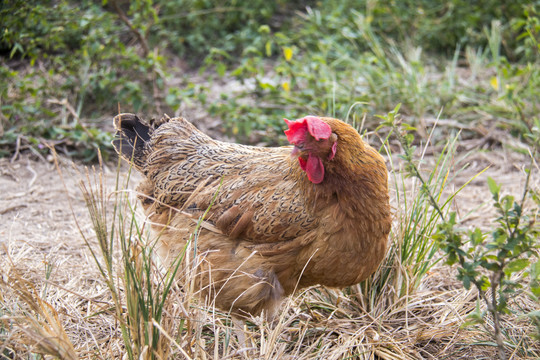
[(255, 194)]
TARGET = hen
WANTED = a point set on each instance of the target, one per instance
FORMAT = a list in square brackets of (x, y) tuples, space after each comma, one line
[(279, 219)]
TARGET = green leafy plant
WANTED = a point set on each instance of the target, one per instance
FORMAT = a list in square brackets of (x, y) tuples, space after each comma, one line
[(494, 263), (198, 27), (65, 60), (514, 84), (76, 64), (490, 263), (419, 205)]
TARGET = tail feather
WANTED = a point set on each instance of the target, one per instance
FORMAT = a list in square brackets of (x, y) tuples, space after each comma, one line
[(132, 137)]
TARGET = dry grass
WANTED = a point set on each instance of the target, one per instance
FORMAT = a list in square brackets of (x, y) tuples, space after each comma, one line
[(54, 300)]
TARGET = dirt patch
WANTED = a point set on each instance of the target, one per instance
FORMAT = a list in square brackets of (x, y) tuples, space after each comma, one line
[(42, 216)]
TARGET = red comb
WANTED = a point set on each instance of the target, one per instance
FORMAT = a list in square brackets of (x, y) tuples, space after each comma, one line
[(316, 127)]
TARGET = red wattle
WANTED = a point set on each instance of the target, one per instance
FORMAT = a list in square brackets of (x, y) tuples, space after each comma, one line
[(314, 168), (303, 163)]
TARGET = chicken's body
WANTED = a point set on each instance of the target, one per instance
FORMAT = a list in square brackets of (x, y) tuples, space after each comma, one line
[(275, 229)]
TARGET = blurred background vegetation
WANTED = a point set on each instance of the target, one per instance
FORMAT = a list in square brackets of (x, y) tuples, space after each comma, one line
[(66, 67)]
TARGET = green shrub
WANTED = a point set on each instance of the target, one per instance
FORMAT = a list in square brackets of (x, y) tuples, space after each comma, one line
[(438, 26), (68, 63), (338, 56), (78, 68), (499, 264), (192, 28)]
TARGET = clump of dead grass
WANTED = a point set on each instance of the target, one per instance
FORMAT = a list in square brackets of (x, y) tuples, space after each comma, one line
[(39, 327)]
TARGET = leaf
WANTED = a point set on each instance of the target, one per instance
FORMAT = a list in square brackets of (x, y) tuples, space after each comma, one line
[(452, 258), (476, 236), (535, 270), (493, 187), (408, 127), (266, 86), (466, 282), (268, 48), (476, 316), (171, 99), (484, 283), (288, 53), (396, 109), (494, 267), (516, 265), (264, 29), (220, 69)]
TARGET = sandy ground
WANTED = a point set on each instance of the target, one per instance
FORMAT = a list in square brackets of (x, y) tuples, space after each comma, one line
[(42, 216)]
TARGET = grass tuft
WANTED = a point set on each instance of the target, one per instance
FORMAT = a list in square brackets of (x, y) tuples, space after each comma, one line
[(139, 289), (39, 327)]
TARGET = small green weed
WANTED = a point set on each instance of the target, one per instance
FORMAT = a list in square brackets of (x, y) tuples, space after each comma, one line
[(419, 207), (81, 60)]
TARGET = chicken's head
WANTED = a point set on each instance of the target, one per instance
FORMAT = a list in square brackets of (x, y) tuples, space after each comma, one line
[(313, 142)]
